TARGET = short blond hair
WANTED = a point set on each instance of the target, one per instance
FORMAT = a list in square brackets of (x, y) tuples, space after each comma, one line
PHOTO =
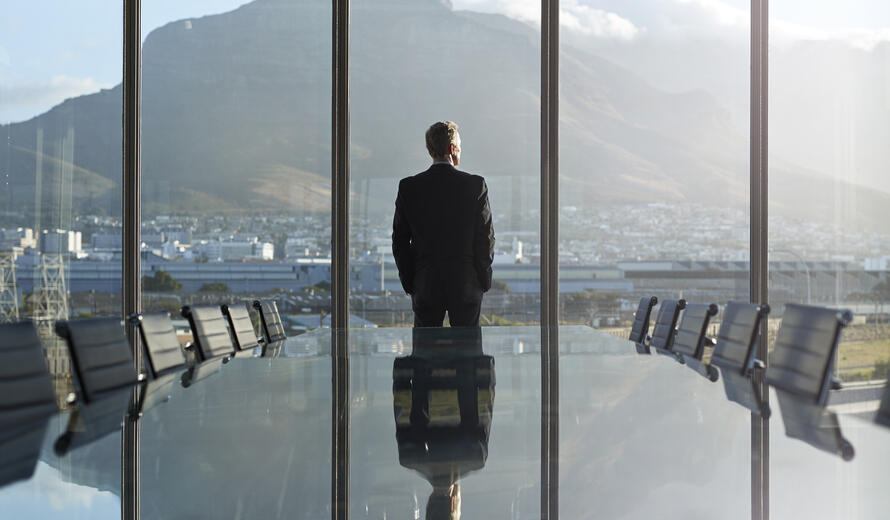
[(439, 136)]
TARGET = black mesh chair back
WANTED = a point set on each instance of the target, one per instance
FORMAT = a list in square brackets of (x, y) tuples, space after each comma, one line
[(209, 331), (803, 356), (690, 339), (161, 344), (640, 327), (735, 349), (100, 355), (242, 328), (273, 328), (26, 390), (666, 324)]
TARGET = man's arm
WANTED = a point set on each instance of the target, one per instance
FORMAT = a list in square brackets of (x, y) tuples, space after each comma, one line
[(483, 240), (402, 248)]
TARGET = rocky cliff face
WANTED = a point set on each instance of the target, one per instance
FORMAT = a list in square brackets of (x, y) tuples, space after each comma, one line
[(236, 112)]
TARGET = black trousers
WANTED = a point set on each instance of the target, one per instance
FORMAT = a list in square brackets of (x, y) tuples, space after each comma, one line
[(460, 313), (453, 288)]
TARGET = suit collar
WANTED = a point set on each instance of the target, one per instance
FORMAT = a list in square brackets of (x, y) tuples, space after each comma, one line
[(442, 166)]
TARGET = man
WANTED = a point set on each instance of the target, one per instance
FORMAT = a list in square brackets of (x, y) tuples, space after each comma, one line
[(442, 236)]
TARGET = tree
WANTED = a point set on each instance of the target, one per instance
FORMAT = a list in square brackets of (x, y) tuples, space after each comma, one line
[(162, 281), (881, 291), (881, 295), (498, 285), (323, 286), (214, 287)]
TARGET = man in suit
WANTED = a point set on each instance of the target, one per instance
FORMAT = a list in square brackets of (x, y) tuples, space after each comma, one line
[(442, 236)]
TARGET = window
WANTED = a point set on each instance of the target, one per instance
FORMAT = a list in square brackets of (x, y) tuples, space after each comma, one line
[(415, 63), (653, 201), (829, 239), (236, 156)]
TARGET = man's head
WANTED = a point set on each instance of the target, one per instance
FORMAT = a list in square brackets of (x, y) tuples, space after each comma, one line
[(443, 142), (444, 503)]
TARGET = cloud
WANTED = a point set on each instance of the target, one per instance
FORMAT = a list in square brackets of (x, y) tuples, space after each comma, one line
[(595, 22), (671, 19), (26, 100), (784, 33), (53, 495), (718, 13), (574, 16), (717, 19), (4, 56)]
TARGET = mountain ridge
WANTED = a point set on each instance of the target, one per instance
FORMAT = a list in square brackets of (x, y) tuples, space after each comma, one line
[(228, 106)]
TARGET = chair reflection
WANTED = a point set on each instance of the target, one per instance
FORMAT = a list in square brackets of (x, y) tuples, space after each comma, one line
[(883, 415), (443, 397), (92, 421), (19, 450), (26, 400)]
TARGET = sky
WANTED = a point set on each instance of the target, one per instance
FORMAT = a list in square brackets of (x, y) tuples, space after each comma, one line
[(51, 50)]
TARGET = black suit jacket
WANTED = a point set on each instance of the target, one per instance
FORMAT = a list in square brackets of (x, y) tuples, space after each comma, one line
[(442, 231)]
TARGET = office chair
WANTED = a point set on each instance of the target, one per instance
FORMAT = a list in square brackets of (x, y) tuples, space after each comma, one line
[(800, 371), (100, 354), (165, 354), (735, 354), (691, 338), (210, 334), (639, 331), (273, 328)]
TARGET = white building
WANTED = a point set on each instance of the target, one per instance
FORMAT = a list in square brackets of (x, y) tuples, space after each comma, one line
[(880, 263), (227, 251), (60, 241), (18, 238)]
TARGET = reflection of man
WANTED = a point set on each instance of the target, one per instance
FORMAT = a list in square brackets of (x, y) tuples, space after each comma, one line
[(442, 236), (443, 395)]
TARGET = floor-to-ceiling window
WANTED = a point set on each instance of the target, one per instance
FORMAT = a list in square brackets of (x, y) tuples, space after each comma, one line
[(60, 196), (829, 231), (653, 201), (236, 156), (236, 206), (414, 63), (60, 168)]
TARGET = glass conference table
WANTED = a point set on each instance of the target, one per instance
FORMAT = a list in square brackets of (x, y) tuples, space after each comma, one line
[(640, 436)]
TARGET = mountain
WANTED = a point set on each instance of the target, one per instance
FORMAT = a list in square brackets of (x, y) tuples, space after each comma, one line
[(236, 111)]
